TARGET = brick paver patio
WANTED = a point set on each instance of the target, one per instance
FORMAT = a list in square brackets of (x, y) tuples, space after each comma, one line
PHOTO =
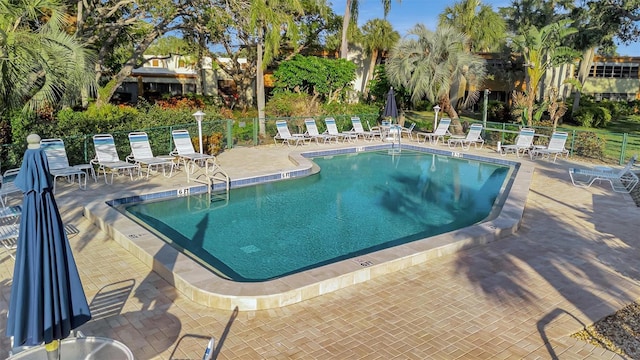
[(573, 261)]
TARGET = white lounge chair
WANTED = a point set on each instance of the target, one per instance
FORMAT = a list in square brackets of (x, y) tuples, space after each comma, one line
[(555, 147), (142, 154), (408, 131), (9, 228), (622, 180), (473, 137), (375, 131), (441, 131), (7, 187), (524, 143), (107, 158), (286, 137), (59, 166), (314, 134), (332, 129), (359, 131), (184, 148)]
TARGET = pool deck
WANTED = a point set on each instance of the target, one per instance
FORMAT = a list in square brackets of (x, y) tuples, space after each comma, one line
[(572, 261)]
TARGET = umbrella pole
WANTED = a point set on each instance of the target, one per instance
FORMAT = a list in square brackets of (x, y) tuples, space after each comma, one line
[(53, 350)]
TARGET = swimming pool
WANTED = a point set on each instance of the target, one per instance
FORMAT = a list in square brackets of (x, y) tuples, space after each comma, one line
[(276, 229)]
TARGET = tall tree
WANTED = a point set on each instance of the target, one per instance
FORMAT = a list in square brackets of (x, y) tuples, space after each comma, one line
[(128, 28), (598, 23), (269, 21), (486, 29), (40, 64), (522, 14), (428, 63), (377, 36), (351, 12), (543, 49), (317, 24)]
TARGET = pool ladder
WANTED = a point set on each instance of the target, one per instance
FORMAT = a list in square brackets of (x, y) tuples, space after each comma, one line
[(209, 174)]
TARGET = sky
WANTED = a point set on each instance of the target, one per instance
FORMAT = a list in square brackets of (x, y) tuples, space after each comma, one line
[(407, 13)]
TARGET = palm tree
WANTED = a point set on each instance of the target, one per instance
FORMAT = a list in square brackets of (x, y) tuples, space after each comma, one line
[(542, 49), (428, 64), (40, 64), (351, 11), (377, 36), (267, 19), (486, 29)]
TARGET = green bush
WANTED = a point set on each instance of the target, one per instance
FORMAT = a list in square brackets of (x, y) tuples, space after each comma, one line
[(593, 115), (497, 111), (423, 105), (289, 104), (350, 109), (589, 144), (243, 130)]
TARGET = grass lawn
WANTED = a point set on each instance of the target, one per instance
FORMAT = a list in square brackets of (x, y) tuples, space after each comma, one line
[(614, 135)]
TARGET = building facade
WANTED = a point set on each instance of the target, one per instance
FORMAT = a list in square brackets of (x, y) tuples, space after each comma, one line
[(612, 78)]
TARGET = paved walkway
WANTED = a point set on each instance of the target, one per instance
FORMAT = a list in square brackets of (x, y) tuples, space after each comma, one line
[(573, 261)]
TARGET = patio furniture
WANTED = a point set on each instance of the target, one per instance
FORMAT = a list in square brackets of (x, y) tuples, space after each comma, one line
[(524, 143), (555, 147), (623, 180), (473, 137), (142, 154), (286, 137), (108, 160), (7, 187), (332, 129), (184, 149), (359, 131), (314, 134), (441, 131), (59, 163)]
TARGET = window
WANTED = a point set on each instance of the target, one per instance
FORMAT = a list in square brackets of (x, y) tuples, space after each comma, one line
[(614, 70)]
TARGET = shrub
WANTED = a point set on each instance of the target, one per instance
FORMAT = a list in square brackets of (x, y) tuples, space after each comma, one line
[(350, 109), (589, 144), (181, 102), (593, 115), (288, 104), (498, 111), (213, 143), (243, 130), (423, 105)]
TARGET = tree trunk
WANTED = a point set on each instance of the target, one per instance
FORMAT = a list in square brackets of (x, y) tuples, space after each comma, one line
[(260, 87), (203, 74), (372, 66), (583, 73), (344, 44), (456, 126)]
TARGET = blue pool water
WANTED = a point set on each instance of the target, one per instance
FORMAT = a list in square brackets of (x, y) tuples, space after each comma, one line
[(355, 205)]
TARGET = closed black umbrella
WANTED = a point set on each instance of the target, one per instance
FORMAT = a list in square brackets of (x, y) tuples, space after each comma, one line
[(390, 107)]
